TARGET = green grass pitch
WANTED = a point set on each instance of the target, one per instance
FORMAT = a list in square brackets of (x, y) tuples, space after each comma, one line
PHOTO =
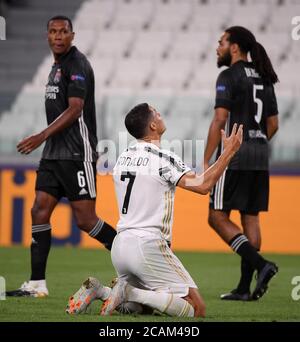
[(213, 272)]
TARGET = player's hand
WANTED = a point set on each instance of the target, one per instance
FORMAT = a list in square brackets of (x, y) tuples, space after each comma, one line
[(234, 141), (28, 144)]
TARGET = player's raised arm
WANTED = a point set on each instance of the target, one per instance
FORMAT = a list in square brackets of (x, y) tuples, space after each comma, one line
[(203, 183)]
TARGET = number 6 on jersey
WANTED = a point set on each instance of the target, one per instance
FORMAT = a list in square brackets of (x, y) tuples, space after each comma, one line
[(81, 179)]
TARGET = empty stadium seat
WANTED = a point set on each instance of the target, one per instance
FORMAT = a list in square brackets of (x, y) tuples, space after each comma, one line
[(158, 51)]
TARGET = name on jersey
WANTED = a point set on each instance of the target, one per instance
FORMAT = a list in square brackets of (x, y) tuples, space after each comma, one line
[(51, 92), (250, 72), (128, 161)]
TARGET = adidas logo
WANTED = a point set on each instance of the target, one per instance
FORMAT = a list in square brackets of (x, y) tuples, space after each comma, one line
[(83, 192)]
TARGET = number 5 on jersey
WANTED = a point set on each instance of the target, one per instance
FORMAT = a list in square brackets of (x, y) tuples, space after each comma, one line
[(258, 101), (131, 176)]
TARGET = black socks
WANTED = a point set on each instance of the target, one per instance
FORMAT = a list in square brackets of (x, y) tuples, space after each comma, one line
[(40, 246), (241, 246), (246, 277), (41, 243), (104, 233)]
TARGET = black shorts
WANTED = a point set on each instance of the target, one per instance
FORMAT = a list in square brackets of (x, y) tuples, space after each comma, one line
[(75, 180), (246, 191)]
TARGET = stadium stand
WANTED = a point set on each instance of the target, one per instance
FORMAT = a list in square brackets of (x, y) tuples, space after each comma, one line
[(25, 46), (159, 51)]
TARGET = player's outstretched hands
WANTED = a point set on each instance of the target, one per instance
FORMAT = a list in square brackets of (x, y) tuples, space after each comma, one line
[(234, 141)]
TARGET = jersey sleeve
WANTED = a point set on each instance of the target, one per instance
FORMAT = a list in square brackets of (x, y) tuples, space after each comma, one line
[(173, 168), (77, 80), (271, 101), (224, 91)]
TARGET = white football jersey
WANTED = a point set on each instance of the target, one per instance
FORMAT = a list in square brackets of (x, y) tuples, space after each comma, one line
[(145, 179)]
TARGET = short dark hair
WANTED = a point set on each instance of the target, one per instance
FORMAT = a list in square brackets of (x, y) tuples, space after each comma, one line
[(137, 119), (61, 17)]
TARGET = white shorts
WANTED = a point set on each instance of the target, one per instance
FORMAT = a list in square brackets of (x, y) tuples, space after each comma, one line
[(147, 262)]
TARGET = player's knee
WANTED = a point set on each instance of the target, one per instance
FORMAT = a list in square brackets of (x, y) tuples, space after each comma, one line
[(215, 220), (39, 213), (212, 221)]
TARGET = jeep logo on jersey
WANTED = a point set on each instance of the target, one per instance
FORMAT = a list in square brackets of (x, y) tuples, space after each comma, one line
[(77, 78)]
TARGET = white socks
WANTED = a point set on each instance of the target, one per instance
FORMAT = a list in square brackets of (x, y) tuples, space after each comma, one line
[(161, 301), (38, 283)]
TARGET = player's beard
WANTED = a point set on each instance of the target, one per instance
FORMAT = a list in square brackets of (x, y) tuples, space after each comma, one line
[(224, 60)]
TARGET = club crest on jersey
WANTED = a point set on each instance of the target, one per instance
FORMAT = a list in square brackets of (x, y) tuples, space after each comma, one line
[(77, 78), (57, 76), (221, 88)]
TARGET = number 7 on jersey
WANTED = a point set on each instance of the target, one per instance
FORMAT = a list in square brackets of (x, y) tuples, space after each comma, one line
[(131, 176)]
